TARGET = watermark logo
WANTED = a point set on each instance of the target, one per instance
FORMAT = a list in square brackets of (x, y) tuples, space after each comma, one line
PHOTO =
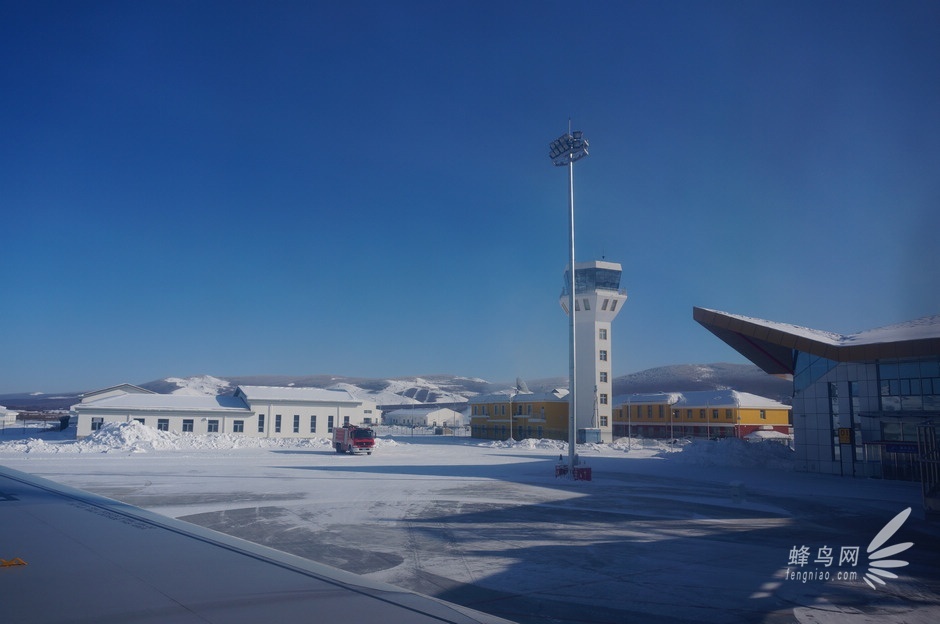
[(877, 561), (844, 567)]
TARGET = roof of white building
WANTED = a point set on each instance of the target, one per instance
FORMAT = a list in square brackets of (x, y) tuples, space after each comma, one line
[(285, 393), (123, 387), (146, 400), (558, 394), (771, 344), (418, 411), (703, 398), (167, 402)]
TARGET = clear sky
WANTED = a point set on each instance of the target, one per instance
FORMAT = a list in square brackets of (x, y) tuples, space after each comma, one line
[(364, 188)]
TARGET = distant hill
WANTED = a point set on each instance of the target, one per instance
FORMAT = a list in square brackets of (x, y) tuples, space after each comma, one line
[(40, 402), (446, 388), (689, 377)]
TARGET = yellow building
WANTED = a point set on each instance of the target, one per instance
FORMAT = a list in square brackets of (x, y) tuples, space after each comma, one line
[(520, 415), (701, 414)]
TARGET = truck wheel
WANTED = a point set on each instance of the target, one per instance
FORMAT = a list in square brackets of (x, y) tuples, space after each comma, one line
[(339, 448)]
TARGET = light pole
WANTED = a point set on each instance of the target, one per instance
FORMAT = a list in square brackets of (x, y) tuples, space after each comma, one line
[(672, 417), (564, 150), (708, 424), (629, 426)]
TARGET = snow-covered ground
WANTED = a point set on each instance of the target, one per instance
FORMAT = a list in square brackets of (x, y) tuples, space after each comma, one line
[(662, 533)]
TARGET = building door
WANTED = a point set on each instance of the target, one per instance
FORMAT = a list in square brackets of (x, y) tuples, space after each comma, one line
[(847, 451)]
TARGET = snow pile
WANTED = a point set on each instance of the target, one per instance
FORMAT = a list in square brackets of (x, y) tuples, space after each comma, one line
[(131, 436), (552, 445), (646, 444), (528, 443), (731, 452), (30, 445)]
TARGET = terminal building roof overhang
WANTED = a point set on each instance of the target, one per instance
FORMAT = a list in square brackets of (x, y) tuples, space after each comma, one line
[(771, 345)]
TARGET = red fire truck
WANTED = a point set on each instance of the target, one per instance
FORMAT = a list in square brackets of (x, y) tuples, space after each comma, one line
[(353, 439)]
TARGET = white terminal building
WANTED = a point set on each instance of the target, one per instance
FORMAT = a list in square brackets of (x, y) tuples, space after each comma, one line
[(598, 299), (256, 411)]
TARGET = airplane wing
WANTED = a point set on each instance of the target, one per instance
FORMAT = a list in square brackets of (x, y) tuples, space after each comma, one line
[(70, 556)]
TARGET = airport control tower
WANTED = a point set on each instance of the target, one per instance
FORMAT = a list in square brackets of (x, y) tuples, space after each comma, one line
[(598, 299)]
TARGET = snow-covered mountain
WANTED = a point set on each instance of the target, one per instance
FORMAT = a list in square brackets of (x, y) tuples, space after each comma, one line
[(449, 388), (200, 386), (394, 391), (456, 389)]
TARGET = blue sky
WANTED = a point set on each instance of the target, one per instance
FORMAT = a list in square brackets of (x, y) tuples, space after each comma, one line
[(364, 189)]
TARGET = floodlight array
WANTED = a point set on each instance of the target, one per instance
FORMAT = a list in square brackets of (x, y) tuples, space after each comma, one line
[(568, 148)]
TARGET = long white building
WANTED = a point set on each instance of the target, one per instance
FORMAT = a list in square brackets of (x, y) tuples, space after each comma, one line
[(426, 416), (257, 411)]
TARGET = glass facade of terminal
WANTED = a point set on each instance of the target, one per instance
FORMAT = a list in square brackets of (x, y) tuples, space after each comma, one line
[(862, 418), (864, 405), (809, 368), (909, 385)]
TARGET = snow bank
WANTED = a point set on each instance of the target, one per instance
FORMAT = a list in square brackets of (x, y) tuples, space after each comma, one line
[(133, 437), (729, 452), (732, 452), (620, 444)]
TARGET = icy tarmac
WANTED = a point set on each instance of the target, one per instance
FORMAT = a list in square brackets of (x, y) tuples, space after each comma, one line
[(707, 532)]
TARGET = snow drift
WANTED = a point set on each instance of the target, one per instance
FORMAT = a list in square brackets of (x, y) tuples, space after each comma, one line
[(133, 437)]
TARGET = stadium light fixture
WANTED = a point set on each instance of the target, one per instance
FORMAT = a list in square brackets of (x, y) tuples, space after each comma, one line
[(568, 148)]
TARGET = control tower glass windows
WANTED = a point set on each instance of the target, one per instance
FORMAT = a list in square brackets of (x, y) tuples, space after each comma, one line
[(591, 279)]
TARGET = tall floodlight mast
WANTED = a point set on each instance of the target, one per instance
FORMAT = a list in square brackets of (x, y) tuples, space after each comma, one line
[(564, 150)]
